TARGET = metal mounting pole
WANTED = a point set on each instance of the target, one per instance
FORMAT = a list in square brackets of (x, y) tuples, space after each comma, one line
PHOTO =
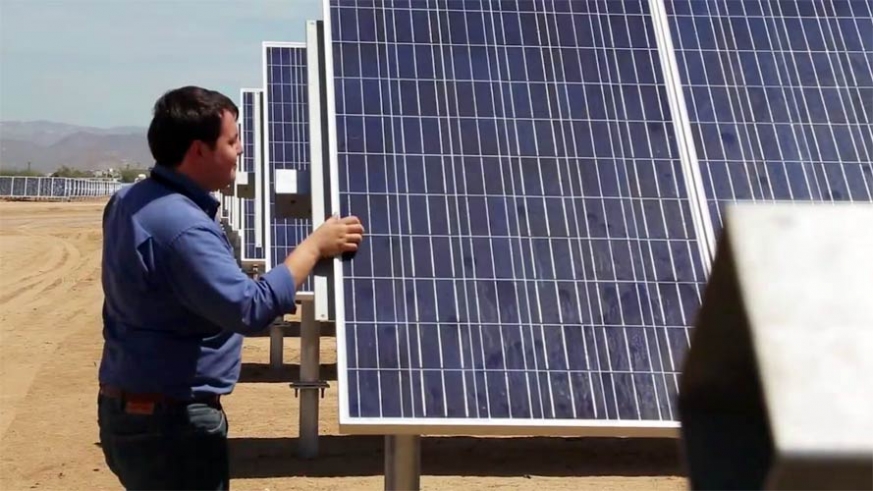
[(276, 345), (310, 338), (309, 386), (402, 462)]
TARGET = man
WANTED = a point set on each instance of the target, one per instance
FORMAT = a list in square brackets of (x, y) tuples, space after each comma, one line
[(177, 304)]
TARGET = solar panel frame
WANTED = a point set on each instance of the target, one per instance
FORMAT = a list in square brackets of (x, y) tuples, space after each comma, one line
[(235, 205), (757, 108), (222, 210), (323, 301), (250, 135), (259, 172), (416, 425), (295, 229)]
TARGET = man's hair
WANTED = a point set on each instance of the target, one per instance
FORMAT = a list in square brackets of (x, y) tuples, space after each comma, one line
[(182, 116)]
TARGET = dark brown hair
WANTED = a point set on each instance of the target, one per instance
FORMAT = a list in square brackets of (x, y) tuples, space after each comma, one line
[(182, 116)]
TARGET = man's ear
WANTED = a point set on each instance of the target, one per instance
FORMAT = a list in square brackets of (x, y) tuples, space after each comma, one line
[(198, 149)]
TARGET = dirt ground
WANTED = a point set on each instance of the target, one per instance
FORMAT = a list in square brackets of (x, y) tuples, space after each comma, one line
[(50, 342)]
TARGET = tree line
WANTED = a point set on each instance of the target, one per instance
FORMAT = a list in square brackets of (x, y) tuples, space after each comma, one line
[(128, 174)]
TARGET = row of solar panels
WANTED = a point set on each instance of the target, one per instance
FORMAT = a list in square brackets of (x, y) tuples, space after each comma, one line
[(274, 130), (542, 185), (55, 187)]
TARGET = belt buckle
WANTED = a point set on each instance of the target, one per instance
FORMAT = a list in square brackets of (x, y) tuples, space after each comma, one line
[(143, 408)]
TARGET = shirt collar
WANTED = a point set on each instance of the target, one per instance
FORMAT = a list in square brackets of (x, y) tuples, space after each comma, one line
[(186, 186)]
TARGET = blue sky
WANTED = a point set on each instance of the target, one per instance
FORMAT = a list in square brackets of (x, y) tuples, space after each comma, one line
[(104, 62)]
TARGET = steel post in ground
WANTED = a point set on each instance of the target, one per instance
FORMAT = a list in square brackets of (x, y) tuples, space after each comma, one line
[(402, 462), (310, 337), (276, 346)]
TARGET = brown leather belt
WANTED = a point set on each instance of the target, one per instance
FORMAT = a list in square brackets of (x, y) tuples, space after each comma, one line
[(153, 398)]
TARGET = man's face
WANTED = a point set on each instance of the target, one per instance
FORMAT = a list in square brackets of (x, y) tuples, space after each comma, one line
[(221, 161)]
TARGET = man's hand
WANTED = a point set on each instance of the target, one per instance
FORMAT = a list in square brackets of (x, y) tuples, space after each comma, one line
[(334, 236), (338, 235)]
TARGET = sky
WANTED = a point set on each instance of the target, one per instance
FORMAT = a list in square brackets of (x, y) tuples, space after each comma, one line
[(104, 63)]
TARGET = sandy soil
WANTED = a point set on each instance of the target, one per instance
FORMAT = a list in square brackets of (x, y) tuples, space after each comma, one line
[(50, 341)]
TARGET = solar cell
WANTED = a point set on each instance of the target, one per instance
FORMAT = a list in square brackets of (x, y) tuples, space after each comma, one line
[(250, 132), (286, 142), (779, 97), (532, 262)]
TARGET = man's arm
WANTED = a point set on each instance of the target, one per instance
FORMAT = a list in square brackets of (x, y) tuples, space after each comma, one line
[(206, 279)]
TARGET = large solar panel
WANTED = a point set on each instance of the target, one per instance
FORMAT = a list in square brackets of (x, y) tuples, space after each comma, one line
[(6, 185), (779, 97), (286, 141), (250, 131), (532, 262)]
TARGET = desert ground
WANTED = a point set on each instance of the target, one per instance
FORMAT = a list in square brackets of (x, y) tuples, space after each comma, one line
[(50, 343)]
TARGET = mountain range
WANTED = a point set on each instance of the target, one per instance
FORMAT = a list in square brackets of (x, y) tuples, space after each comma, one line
[(48, 145)]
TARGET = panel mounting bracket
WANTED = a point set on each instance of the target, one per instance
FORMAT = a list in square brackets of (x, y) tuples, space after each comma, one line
[(293, 197), (316, 385), (244, 185)]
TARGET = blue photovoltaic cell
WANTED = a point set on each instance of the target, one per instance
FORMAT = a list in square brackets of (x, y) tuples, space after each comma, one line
[(287, 142), (249, 248), (530, 253), (779, 96)]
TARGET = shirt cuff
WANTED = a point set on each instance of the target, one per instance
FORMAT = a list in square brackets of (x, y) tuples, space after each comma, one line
[(281, 282)]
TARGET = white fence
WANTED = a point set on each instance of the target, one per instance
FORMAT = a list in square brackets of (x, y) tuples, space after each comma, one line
[(55, 188)]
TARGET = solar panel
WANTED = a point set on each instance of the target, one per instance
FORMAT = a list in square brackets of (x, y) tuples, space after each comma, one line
[(45, 187), (6, 185), (250, 132), (779, 98), (286, 142), (532, 262), (31, 186), (59, 187)]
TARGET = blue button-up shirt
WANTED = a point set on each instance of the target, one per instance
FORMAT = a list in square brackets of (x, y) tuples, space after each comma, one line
[(176, 302)]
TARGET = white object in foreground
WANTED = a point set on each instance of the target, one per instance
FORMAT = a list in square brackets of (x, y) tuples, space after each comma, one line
[(776, 390)]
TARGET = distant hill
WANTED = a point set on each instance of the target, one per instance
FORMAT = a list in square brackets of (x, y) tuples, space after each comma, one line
[(48, 145)]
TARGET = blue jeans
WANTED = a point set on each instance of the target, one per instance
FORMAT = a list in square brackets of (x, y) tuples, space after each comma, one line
[(165, 446)]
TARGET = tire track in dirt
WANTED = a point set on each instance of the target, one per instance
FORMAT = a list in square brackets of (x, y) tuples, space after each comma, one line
[(49, 270), (49, 276), (37, 295), (59, 404)]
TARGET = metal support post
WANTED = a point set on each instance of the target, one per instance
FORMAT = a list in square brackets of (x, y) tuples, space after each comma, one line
[(310, 337), (276, 346), (310, 385), (402, 462)]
